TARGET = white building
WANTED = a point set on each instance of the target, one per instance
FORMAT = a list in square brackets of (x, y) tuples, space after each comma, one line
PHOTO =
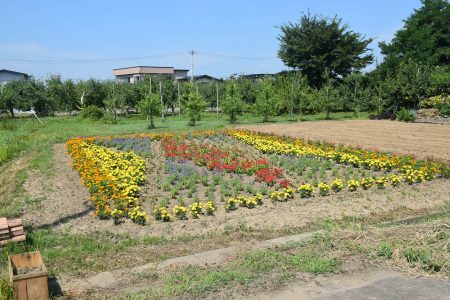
[(8, 75), (133, 74)]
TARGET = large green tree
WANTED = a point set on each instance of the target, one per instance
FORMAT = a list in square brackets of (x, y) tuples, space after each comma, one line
[(316, 44), (425, 37)]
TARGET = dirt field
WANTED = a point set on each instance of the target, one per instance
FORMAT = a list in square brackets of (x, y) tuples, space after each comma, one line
[(421, 140)]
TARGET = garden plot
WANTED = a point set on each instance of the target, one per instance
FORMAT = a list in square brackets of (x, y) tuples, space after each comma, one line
[(226, 174)]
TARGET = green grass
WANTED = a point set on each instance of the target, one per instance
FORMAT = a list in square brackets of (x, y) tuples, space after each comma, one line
[(69, 253), (11, 203), (252, 267), (26, 134)]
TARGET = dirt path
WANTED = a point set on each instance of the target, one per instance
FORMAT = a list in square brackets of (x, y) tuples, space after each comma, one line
[(64, 198), (422, 140), (367, 285)]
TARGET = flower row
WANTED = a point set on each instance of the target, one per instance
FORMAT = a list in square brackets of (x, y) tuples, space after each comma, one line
[(405, 165), (112, 178)]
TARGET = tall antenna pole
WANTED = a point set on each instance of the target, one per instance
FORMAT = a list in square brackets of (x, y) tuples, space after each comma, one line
[(192, 62), (161, 98), (150, 84), (179, 102), (217, 99)]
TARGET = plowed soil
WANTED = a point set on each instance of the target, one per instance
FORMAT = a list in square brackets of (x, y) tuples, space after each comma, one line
[(417, 139)]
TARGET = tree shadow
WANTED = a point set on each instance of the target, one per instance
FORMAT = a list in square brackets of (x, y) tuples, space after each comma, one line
[(64, 219)]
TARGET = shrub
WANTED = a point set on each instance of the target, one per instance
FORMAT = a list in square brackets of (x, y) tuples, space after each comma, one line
[(91, 112), (444, 110), (405, 115), (434, 102)]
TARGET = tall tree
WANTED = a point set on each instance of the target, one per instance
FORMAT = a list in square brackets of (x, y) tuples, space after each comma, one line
[(316, 44), (425, 37)]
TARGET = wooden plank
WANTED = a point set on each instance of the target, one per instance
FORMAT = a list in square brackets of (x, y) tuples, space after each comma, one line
[(12, 229), (17, 232), (3, 223), (15, 223), (19, 238), (4, 231)]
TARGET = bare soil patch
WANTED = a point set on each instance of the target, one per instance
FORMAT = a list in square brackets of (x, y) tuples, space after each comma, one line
[(418, 139), (64, 197)]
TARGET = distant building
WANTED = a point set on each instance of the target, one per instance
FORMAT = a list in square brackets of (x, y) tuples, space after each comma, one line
[(257, 77), (201, 79), (133, 74), (8, 75)]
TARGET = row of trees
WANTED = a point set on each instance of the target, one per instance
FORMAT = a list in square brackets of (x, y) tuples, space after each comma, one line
[(289, 93)]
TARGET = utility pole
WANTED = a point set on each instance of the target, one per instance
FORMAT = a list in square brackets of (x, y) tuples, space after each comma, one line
[(192, 62), (217, 99), (179, 101), (162, 103), (150, 84)]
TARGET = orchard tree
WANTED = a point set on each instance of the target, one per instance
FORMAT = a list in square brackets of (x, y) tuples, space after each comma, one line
[(93, 92), (151, 107), (35, 92), (284, 91), (316, 44), (302, 93), (232, 105), (406, 87), (328, 98), (248, 90), (13, 96), (62, 93), (266, 101), (115, 99), (193, 104)]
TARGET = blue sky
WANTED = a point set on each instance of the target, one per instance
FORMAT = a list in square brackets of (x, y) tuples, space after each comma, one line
[(83, 39)]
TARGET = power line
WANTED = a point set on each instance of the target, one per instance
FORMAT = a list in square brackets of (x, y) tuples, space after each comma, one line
[(99, 60), (89, 59)]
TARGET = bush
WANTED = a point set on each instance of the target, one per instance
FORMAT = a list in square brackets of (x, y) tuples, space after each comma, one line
[(435, 102), (91, 112), (444, 110), (405, 115)]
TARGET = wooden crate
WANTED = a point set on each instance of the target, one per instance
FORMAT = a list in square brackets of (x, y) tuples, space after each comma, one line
[(32, 285)]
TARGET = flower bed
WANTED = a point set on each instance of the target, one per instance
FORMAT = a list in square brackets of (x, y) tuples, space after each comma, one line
[(235, 167)]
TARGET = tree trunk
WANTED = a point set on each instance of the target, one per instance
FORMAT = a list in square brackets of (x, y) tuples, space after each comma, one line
[(152, 125), (328, 115), (11, 110)]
